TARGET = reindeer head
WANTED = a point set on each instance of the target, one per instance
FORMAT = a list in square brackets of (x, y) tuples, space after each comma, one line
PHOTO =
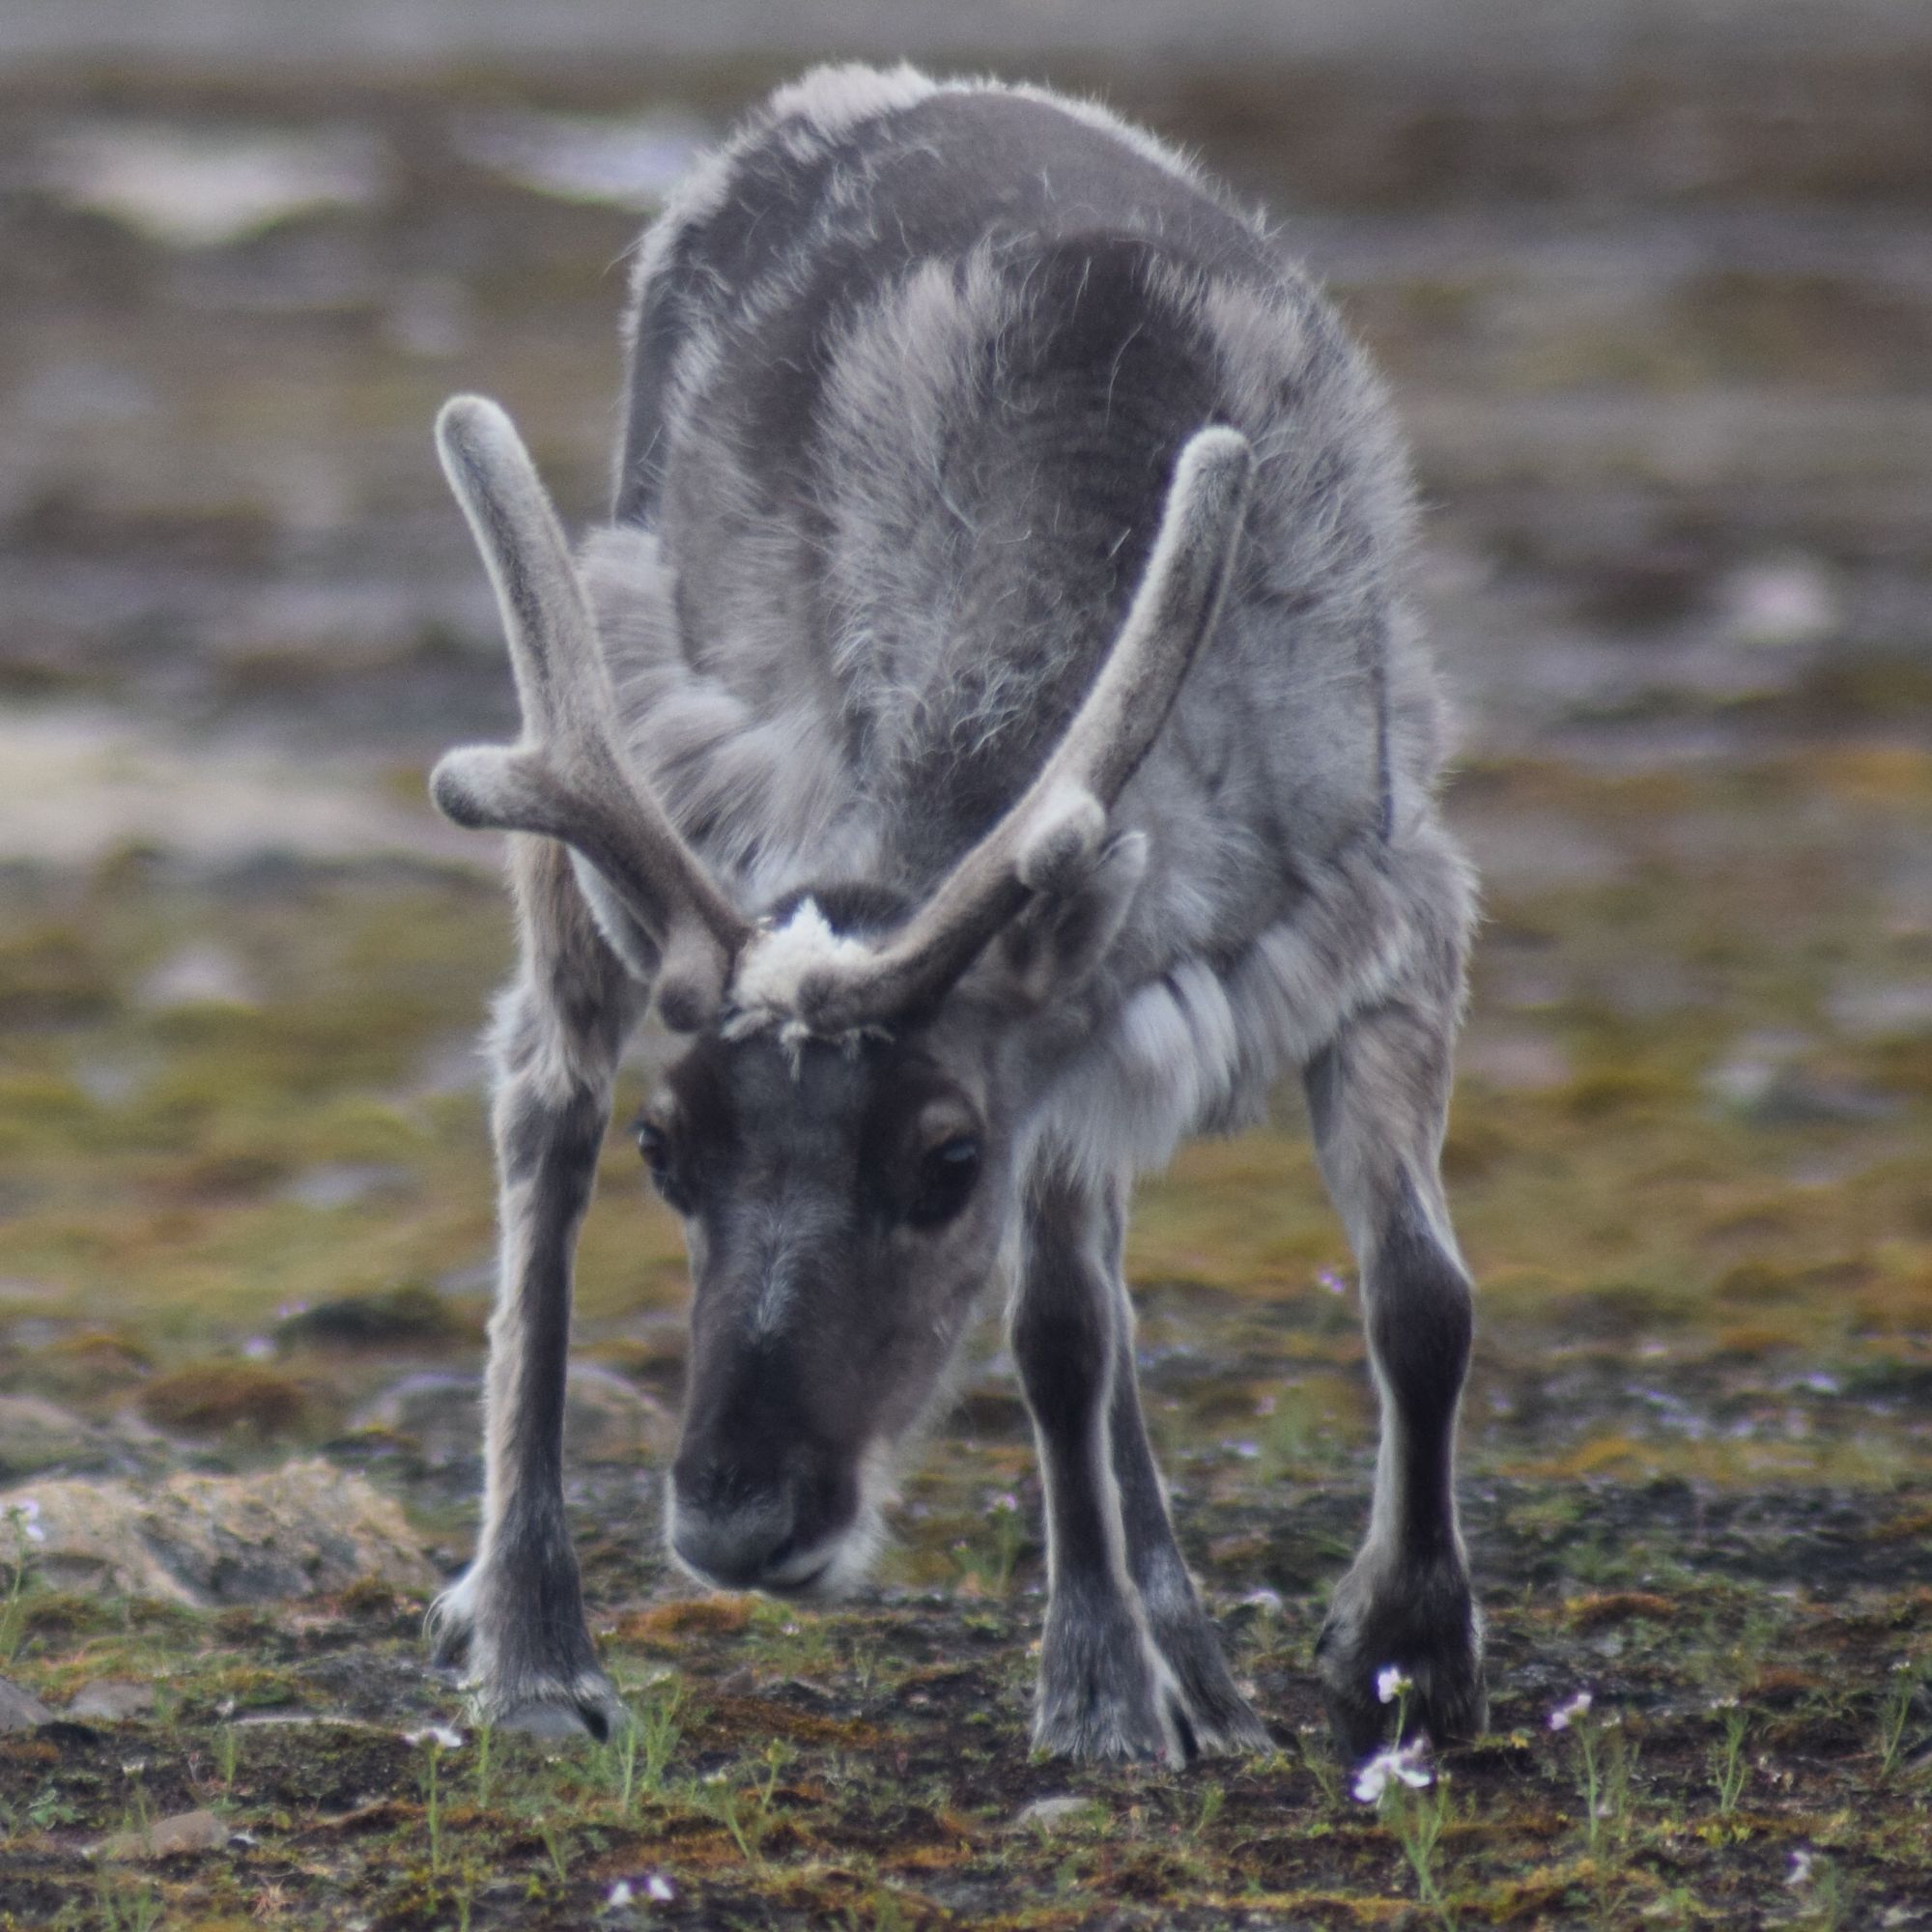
[(843, 1135)]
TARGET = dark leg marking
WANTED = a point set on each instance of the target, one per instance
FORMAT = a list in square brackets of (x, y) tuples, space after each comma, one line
[(1380, 1100), (1130, 1664), (1216, 1718)]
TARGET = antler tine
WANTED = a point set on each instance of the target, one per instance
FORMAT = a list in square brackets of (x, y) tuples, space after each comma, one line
[(564, 778), (1053, 833)]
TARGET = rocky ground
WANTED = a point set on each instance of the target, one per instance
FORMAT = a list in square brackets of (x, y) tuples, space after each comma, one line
[(1663, 341)]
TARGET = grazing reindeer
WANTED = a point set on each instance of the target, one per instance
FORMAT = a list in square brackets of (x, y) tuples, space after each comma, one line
[(992, 729)]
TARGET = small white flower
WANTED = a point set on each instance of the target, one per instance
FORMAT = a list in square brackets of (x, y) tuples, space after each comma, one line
[(258, 1348), (1566, 1715), (621, 1895), (444, 1735), (1801, 1868), (1331, 1282), (25, 1516), (1393, 1682), (1005, 1504), (1723, 1703), (1411, 1764), (660, 1888)]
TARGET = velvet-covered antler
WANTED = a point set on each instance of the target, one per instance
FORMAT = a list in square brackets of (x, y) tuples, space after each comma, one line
[(564, 777)]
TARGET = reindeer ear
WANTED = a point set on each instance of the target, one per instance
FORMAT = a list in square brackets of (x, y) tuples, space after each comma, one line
[(1067, 929)]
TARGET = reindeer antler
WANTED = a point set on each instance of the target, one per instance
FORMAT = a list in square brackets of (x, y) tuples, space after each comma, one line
[(1053, 832), (564, 778)]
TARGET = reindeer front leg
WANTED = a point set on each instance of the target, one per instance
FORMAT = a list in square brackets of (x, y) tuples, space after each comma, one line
[(518, 1611), (1213, 1716), (1105, 1690), (1219, 1719), (1378, 1096)]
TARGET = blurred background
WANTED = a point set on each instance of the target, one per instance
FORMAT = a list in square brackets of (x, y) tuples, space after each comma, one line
[(1652, 287)]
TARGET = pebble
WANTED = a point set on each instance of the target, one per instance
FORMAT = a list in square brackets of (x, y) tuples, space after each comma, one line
[(1780, 602), (167, 1837), (1053, 1814)]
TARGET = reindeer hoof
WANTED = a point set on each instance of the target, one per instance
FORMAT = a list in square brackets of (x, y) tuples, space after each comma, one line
[(588, 1707), (1425, 1626), (524, 1672), (1215, 1719), (1105, 1693)]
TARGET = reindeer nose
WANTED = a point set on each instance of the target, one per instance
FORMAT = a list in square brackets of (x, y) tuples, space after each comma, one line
[(739, 1541)]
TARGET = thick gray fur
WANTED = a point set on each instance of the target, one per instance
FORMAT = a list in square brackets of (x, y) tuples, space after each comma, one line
[(912, 365)]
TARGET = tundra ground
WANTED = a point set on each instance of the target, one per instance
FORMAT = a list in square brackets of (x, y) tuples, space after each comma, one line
[(1661, 345)]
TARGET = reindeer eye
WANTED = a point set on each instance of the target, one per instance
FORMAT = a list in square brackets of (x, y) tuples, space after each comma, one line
[(655, 1146), (946, 1177)]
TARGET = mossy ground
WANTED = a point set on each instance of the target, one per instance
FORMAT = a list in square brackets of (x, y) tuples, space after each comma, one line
[(1694, 1441)]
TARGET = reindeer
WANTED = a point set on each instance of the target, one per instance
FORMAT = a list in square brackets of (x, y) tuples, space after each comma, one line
[(991, 731)]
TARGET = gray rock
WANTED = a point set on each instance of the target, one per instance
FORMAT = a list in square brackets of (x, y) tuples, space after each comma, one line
[(37, 1435), (111, 1701), (1055, 1815), (441, 1414), (1754, 1065), (167, 1837), (199, 188), (293, 1531), (1779, 603), (605, 1418), (21, 1710)]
